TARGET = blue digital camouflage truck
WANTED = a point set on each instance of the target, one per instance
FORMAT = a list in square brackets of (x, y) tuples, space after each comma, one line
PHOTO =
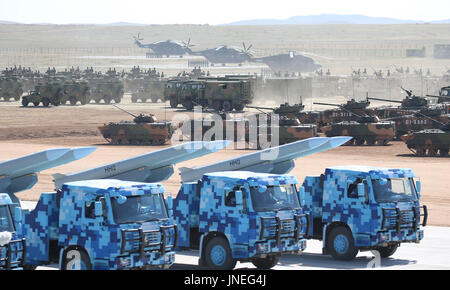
[(101, 224), (12, 245), (358, 208), (240, 216)]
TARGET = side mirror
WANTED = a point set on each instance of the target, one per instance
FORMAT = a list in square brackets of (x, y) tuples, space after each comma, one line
[(418, 187), (169, 204), (301, 195), (239, 197), (17, 214), (98, 209)]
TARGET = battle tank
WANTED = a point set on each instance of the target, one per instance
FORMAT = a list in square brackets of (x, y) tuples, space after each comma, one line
[(143, 130), (367, 130), (10, 88), (350, 111), (285, 120), (429, 142)]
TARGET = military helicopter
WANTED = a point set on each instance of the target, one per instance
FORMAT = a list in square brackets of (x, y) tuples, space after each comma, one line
[(289, 62), (165, 48), (226, 54)]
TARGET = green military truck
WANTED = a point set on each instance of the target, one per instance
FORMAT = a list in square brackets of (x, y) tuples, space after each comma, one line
[(10, 88), (221, 94)]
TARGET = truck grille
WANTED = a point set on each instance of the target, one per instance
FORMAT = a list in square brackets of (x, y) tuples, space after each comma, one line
[(12, 255), (272, 228), (138, 240)]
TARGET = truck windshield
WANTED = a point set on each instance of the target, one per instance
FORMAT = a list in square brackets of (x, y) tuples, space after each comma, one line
[(137, 209), (393, 190), (280, 197), (6, 222)]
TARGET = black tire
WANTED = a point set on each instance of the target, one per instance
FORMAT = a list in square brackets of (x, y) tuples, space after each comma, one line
[(226, 106), (29, 267), (173, 103), (134, 99), (266, 263), (341, 245), (387, 251), (239, 107), (188, 105), (117, 100), (73, 101), (36, 104), (75, 259), (46, 102), (218, 255), (25, 102), (217, 105)]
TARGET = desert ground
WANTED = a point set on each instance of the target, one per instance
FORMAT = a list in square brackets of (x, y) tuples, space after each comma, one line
[(28, 130)]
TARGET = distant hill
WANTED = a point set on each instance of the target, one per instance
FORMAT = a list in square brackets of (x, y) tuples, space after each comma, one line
[(7, 22), (331, 19)]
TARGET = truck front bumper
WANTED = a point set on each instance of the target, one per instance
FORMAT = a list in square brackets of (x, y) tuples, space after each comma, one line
[(402, 236), (147, 259), (285, 246)]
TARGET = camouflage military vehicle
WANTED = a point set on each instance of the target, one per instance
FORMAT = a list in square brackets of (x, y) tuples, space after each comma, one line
[(350, 111), (221, 95), (49, 93), (143, 130), (151, 89), (368, 130), (429, 142), (10, 88), (106, 89), (74, 92), (444, 95), (286, 110)]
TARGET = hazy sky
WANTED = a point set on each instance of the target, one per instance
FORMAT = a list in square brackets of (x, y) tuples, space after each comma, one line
[(210, 11)]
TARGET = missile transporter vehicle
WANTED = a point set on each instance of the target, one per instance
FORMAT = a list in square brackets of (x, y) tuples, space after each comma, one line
[(10, 88), (102, 224), (12, 244), (362, 208), (429, 142), (368, 130), (220, 94), (240, 216), (143, 130)]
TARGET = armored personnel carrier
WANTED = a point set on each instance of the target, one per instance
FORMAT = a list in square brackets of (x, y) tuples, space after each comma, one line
[(143, 130), (108, 87), (367, 130), (74, 92), (10, 88), (429, 142)]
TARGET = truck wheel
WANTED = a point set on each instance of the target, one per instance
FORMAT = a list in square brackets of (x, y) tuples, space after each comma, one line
[(133, 99), (226, 106), (188, 105), (239, 107), (46, 102), (24, 102), (29, 267), (341, 245), (75, 259), (173, 103), (217, 105), (387, 251), (117, 100), (266, 263), (36, 104), (218, 255)]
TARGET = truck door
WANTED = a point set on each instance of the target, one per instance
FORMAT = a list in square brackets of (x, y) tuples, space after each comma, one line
[(357, 212), (235, 218)]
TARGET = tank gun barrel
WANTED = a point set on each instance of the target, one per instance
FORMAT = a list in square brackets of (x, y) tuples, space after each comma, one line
[(125, 111), (260, 108), (327, 104), (385, 100), (406, 91)]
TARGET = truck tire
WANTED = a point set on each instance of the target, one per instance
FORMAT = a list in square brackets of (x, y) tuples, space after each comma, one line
[(387, 251), (173, 103), (218, 255), (45, 102), (188, 105), (25, 102), (341, 245), (75, 259), (266, 263), (226, 106)]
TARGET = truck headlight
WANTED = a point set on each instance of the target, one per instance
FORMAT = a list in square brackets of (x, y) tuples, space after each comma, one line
[(383, 236)]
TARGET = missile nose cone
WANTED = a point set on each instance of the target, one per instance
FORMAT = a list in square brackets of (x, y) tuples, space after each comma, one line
[(217, 145), (82, 152), (339, 140), (55, 153), (316, 141)]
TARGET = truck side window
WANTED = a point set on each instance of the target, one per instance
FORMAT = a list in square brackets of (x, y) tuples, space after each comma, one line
[(89, 210), (352, 189), (230, 199)]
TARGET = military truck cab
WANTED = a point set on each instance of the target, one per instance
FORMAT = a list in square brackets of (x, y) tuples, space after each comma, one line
[(240, 216), (12, 245), (358, 208), (101, 224)]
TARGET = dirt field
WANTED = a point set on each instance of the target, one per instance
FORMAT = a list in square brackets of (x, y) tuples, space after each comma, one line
[(27, 130)]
